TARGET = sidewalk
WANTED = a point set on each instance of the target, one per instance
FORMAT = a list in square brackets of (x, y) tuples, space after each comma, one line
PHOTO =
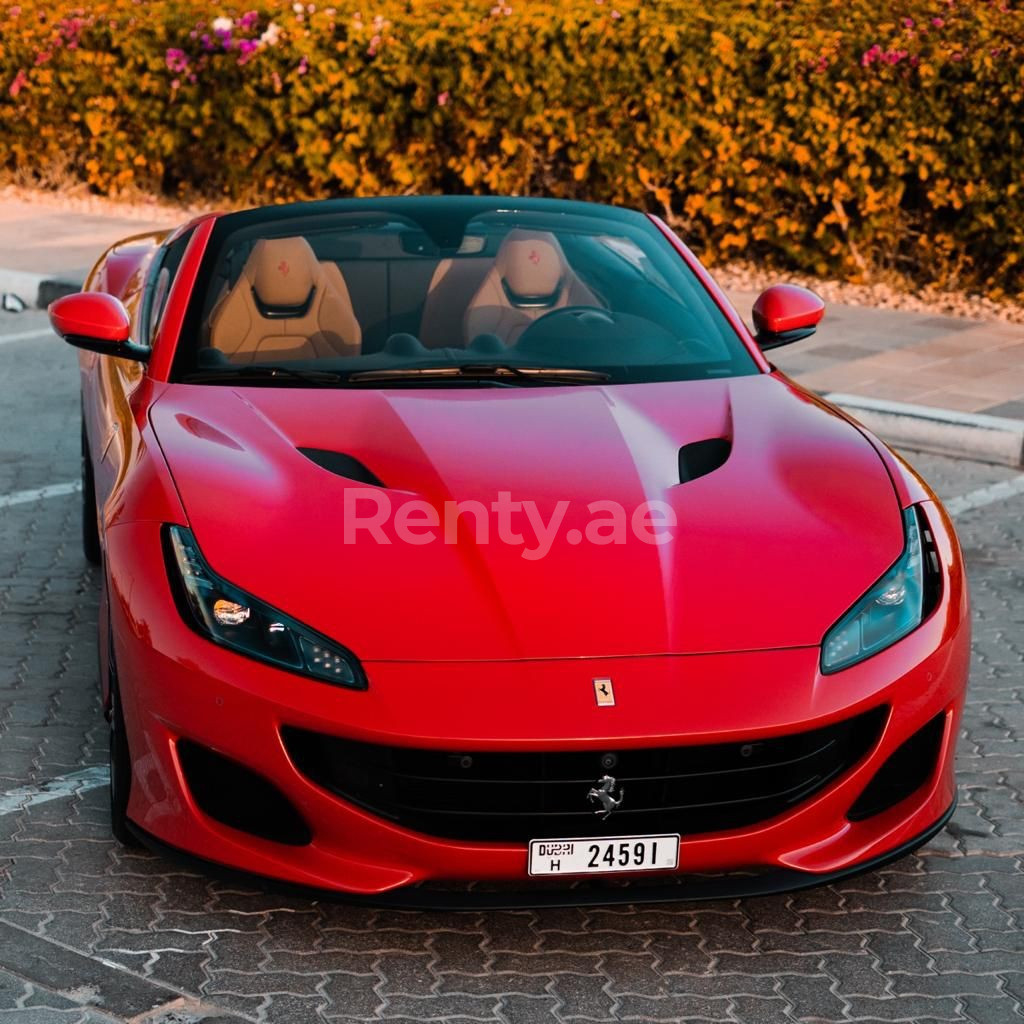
[(952, 366), (941, 361), (48, 238)]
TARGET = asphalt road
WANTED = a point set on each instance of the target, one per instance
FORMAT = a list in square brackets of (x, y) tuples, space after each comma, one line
[(90, 932)]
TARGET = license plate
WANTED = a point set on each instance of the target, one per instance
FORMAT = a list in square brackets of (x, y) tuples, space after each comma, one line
[(602, 856)]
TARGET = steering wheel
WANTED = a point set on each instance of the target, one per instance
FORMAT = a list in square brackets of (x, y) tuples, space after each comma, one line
[(582, 313)]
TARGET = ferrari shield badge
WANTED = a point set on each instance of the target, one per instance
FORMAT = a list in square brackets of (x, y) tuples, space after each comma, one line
[(604, 692)]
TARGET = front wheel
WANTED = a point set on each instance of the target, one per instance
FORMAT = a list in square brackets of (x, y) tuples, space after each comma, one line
[(90, 521)]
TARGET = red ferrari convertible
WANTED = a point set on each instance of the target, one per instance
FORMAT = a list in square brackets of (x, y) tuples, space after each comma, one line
[(474, 539)]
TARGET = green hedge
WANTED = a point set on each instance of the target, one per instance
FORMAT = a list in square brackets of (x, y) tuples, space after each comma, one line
[(815, 134)]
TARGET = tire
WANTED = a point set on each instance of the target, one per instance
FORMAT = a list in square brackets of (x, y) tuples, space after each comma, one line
[(90, 521), (120, 765)]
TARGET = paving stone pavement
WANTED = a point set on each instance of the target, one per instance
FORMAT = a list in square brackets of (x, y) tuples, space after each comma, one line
[(934, 937)]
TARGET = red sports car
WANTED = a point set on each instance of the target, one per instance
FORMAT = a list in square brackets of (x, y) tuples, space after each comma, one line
[(456, 539)]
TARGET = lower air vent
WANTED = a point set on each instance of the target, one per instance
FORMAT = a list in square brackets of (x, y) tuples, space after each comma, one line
[(341, 464), (906, 770), (236, 796), (702, 457)]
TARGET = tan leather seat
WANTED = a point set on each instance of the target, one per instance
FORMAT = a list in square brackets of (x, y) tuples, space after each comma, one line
[(285, 305), (530, 278), (451, 290)]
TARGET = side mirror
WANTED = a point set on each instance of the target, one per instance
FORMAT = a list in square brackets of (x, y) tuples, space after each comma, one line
[(98, 322), (786, 313)]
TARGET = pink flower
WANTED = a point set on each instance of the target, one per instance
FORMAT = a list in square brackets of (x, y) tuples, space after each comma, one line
[(868, 57), (303, 66), (876, 53), (938, 22), (69, 31), (443, 97), (908, 22), (177, 60), (19, 82)]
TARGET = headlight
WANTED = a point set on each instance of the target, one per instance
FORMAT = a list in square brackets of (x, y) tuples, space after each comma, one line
[(230, 617), (890, 610)]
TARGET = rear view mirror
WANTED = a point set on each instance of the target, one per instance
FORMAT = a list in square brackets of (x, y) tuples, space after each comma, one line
[(786, 313), (96, 321)]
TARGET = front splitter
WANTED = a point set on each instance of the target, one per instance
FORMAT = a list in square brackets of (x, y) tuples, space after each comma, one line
[(586, 892)]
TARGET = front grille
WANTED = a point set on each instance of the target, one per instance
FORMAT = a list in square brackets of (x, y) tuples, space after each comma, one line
[(496, 796)]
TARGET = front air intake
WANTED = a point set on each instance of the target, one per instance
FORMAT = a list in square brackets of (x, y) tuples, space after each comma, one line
[(905, 771), (236, 796)]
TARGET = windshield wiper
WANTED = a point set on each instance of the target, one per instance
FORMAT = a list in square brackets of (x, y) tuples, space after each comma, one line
[(263, 374), (485, 372)]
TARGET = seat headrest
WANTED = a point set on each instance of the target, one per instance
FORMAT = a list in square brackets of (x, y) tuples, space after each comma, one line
[(283, 271), (531, 266)]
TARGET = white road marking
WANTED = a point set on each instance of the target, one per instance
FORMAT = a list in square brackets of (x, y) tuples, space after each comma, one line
[(72, 784), (38, 493), (41, 332), (986, 496)]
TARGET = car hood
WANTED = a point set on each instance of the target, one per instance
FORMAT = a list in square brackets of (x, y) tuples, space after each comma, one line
[(768, 550)]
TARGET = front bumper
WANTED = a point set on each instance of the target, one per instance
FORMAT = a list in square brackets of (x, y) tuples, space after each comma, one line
[(176, 685)]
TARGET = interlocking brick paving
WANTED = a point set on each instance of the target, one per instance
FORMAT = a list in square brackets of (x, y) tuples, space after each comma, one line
[(934, 937)]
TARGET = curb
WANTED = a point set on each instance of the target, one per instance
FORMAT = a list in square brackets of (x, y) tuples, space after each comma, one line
[(36, 290), (993, 439)]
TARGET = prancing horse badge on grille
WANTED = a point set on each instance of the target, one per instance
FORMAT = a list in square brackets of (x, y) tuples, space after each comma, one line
[(604, 693), (608, 793)]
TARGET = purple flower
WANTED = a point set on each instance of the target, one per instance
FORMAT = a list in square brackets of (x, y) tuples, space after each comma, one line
[(247, 22), (246, 48)]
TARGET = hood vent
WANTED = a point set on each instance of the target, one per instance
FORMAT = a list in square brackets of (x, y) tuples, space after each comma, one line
[(702, 457), (341, 464)]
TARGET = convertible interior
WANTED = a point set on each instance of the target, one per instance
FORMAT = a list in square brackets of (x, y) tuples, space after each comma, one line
[(386, 287)]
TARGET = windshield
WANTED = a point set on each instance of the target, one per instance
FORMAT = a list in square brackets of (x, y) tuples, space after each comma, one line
[(361, 294)]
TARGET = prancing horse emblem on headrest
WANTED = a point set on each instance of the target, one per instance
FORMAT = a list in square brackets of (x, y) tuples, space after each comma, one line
[(284, 268), (534, 256)]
